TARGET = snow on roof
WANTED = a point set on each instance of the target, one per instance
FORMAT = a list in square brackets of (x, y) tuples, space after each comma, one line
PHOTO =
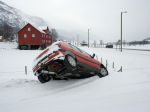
[(41, 28)]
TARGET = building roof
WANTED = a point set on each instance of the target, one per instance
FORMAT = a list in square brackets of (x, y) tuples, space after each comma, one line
[(41, 28)]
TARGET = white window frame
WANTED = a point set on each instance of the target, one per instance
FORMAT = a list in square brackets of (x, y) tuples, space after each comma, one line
[(25, 35), (33, 35), (29, 29)]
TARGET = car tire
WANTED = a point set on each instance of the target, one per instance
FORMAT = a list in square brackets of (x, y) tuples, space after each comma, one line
[(103, 71), (70, 61), (43, 78)]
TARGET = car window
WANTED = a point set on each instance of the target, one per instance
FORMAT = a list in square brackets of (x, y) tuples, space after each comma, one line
[(74, 47), (85, 53), (78, 49)]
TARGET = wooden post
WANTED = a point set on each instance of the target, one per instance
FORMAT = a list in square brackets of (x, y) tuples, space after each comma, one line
[(121, 69), (113, 65), (26, 72), (106, 63)]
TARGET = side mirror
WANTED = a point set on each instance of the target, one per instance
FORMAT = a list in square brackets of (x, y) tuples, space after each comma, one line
[(93, 55)]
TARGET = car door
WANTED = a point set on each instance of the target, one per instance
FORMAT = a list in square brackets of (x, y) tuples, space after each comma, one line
[(84, 58)]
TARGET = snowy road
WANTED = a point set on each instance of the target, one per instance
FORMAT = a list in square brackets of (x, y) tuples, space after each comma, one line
[(128, 91)]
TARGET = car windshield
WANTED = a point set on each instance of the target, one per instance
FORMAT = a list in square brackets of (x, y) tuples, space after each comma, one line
[(78, 49)]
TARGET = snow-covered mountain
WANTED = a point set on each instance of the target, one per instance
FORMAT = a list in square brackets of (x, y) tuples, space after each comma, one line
[(13, 19), (147, 39)]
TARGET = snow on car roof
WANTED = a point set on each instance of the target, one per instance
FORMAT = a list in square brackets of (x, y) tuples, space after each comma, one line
[(46, 52)]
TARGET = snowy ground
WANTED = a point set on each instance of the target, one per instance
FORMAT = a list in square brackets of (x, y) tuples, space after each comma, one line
[(143, 47), (127, 91)]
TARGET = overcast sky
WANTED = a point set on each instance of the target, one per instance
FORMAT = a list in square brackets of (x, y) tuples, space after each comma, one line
[(101, 16)]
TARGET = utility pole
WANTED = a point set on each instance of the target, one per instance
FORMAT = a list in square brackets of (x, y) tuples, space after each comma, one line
[(121, 34), (77, 40), (121, 30), (88, 38)]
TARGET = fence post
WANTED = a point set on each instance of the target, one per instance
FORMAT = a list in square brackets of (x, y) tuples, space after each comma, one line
[(113, 65), (26, 71), (120, 70), (101, 60), (106, 63)]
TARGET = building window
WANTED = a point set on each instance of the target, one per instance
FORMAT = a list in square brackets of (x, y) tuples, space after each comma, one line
[(43, 41), (25, 36), (33, 35), (29, 29)]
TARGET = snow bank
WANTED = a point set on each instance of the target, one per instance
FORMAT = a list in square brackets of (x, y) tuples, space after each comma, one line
[(8, 45)]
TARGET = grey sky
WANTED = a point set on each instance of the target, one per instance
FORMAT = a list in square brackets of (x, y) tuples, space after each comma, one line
[(101, 16)]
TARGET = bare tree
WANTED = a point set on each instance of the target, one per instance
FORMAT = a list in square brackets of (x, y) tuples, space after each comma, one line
[(54, 34)]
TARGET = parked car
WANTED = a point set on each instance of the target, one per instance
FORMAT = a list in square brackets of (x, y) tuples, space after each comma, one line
[(84, 43), (109, 46), (65, 61)]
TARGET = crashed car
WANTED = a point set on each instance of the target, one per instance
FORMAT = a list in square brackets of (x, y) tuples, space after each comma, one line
[(63, 60)]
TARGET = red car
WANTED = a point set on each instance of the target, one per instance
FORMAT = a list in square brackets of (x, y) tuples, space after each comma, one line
[(63, 60)]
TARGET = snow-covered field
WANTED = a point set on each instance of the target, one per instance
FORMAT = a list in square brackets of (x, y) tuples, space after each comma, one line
[(143, 47), (127, 91)]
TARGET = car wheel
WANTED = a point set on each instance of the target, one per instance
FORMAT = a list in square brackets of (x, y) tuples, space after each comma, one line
[(103, 72), (71, 61), (43, 78)]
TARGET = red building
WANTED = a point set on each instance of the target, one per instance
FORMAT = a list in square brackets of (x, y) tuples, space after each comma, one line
[(30, 37)]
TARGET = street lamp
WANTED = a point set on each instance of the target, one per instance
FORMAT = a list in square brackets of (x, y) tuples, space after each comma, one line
[(121, 28)]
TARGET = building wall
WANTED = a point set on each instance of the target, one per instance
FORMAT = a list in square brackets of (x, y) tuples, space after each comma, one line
[(30, 36)]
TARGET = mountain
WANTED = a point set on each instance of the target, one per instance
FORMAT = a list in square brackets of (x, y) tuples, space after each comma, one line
[(147, 39), (12, 20)]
